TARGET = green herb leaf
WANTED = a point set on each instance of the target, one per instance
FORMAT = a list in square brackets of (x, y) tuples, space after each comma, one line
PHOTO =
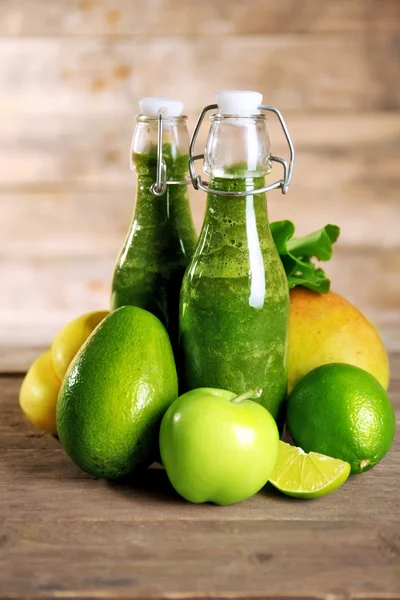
[(318, 244), (296, 254)]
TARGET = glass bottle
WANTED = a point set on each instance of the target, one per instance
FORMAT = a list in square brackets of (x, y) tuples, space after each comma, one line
[(161, 238), (234, 307)]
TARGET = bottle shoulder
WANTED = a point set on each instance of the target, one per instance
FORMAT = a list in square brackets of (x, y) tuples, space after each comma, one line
[(236, 250), (232, 262)]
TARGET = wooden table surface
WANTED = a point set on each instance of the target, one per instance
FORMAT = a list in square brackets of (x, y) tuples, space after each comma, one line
[(66, 535)]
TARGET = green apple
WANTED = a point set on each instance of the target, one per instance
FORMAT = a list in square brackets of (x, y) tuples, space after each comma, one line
[(218, 447)]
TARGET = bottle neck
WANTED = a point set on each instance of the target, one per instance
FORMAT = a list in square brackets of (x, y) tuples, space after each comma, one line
[(237, 147), (168, 209), (175, 142), (145, 164), (237, 160)]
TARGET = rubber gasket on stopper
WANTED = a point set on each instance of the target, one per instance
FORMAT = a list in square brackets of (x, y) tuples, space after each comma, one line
[(151, 107), (239, 102)]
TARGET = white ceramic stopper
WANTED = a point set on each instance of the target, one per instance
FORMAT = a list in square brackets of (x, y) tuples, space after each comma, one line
[(239, 102), (151, 107)]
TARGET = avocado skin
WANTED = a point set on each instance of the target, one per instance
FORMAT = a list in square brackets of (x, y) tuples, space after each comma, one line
[(115, 394)]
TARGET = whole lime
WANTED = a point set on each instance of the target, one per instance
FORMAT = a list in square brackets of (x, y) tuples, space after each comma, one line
[(344, 412)]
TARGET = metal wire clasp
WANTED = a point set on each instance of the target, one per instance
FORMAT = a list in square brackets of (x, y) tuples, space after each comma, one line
[(284, 183), (159, 187)]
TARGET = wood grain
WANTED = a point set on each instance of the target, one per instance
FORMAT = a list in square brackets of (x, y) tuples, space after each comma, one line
[(177, 560), (64, 534), (64, 197), (44, 293), (54, 220), (180, 17), (65, 209), (45, 76), (339, 158), (58, 224)]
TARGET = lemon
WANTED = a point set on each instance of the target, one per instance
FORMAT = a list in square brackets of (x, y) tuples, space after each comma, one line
[(344, 412), (70, 339), (39, 392), (310, 475)]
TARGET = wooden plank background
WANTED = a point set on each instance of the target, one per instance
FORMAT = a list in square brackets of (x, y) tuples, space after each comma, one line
[(71, 75)]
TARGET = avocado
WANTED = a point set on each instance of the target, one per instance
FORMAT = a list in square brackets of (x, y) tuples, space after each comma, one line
[(115, 394)]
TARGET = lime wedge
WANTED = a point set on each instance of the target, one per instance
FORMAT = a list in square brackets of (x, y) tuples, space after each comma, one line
[(310, 475)]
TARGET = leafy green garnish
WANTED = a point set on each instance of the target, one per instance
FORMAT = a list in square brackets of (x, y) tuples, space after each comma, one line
[(296, 254)]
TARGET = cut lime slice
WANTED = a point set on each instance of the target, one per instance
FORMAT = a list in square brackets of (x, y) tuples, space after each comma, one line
[(310, 475)]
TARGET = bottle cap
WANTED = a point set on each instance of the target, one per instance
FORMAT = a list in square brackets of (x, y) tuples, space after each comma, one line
[(239, 102), (151, 107)]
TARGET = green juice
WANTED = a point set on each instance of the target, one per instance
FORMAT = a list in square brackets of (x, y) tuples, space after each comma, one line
[(235, 301), (160, 242)]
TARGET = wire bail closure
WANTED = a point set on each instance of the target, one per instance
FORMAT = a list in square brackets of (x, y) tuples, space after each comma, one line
[(284, 183), (159, 187)]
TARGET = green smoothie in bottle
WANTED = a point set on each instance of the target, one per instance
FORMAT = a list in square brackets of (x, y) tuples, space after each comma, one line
[(234, 307), (162, 237)]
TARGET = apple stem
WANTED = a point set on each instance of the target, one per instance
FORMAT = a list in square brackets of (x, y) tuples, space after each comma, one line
[(250, 394)]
